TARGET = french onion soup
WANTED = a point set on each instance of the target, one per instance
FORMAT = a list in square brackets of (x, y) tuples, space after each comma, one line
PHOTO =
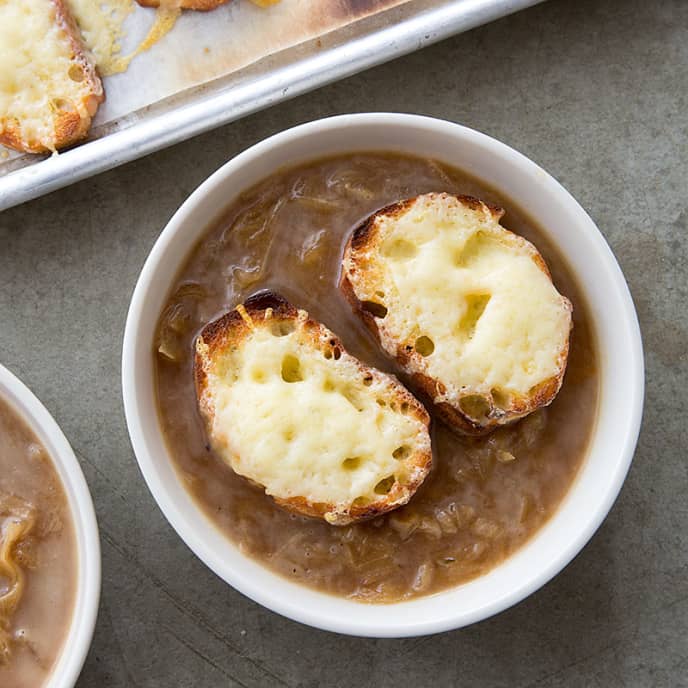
[(38, 559), (484, 496)]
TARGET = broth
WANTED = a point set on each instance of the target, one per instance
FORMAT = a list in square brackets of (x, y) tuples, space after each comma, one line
[(37, 557), (484, 497)]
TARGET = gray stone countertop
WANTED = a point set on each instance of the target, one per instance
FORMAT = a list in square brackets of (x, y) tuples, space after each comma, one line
[(595, 91)]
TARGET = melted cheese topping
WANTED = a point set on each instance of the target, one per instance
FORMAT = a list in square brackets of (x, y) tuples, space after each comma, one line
[(36, 55), (165, 19), (102, 26), (303, 425), (35, 61), (469, 296)]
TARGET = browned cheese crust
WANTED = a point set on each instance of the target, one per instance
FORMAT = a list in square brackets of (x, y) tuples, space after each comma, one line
[(366, 237), (267, 308)]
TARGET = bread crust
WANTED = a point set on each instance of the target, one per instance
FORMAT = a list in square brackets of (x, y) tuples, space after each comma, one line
[(200, 5), (431, 390), (266, 306), (70, 125)]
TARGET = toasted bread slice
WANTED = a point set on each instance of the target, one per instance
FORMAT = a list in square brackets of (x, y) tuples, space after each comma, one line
[(466, 307), (49, 88), (286, 406)]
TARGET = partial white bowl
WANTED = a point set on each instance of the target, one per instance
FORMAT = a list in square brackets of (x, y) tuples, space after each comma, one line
[(615, 326), (78, 641)]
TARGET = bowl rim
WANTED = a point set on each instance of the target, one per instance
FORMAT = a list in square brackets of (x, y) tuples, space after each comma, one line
[(72, 655), (285, 605)]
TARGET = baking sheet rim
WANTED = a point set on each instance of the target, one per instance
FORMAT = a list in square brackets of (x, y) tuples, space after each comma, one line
[(213, 110)]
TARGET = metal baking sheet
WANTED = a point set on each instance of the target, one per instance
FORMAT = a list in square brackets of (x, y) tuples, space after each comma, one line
[(285, 74)]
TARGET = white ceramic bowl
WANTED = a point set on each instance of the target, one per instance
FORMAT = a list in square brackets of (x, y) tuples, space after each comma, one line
[(78, 640), (615, 326)]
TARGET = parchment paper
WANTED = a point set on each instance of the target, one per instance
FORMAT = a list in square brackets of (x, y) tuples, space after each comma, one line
[(203, 46)]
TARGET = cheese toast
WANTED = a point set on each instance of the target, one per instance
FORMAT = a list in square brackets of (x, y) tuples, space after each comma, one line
[(49, 88), (201, 5), (286, 406), (466, 307)]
